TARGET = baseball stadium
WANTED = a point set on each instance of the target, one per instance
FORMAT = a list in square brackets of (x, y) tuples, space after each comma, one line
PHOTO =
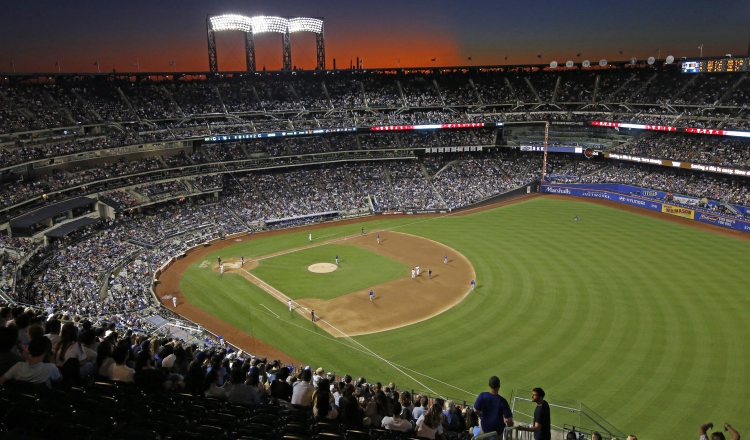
[(205, 254)]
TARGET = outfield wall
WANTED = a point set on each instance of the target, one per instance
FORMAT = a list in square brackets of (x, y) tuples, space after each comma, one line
[(610, 192)]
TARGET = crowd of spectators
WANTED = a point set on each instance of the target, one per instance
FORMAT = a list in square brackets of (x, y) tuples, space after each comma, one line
[(700, 185), (728, 152)]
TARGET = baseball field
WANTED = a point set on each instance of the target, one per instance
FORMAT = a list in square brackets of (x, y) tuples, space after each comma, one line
[(642, 318)]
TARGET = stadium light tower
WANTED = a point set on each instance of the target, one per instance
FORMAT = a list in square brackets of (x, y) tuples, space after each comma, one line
[(264, 24)]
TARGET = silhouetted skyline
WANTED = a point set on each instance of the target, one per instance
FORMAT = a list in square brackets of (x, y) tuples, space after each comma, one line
[(77, 33)]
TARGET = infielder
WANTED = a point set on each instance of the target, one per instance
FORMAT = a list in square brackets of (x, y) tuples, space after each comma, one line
[(290, 304), (337, 259), (412, 274), (312, 315), (243, 260), (174, 301), (371, 295), (221, 269), (363, 231), (417, 270), (429, 273), (378, 238), (445, 259), (472, 284), (309, 236)]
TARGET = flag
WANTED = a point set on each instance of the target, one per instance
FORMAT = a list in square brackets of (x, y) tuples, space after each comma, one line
[(171, 63), (578, 54), (433, 59), (96, 63), (538, 56), (506, 57), (469, 58), (620, 52), (57, 63)]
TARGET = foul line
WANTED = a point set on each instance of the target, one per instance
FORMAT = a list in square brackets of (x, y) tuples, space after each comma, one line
[(341, 342), (270, 311)]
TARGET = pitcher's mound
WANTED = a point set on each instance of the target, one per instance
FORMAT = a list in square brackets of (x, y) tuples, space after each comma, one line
[(322, 268)]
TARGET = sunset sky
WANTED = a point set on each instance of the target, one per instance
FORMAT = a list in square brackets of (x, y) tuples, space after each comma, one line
[(34, 34)]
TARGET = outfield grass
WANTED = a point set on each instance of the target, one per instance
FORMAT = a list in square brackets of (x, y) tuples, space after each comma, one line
[(358, 269), (643, 320)]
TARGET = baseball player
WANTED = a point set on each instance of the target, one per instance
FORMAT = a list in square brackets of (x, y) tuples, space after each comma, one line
[(174, 301), (429, 273), (221, 269), (472, 284), (219, 259), (445, 259), (290, 304), (371, 295), (412, 274), (576, 219), (243, 260), (337, 259), (378, 238), (312, 315), (417, 270), (363, 231), (309, 236)]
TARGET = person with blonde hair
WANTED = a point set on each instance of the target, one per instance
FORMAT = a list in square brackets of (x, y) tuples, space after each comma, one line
[(430, 424)]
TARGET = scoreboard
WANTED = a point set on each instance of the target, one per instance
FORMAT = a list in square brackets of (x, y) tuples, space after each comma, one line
[(741, 64)]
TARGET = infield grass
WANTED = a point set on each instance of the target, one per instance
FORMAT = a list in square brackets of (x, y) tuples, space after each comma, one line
[(358, 269), (645, 321)]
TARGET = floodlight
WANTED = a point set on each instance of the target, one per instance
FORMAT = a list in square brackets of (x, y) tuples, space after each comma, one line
[(306, 25), (231, 22), (265, 24)]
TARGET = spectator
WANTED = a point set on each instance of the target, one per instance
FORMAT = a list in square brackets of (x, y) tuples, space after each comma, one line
[(8, 339), (149, 378), (421, 409), (351, 413), (542, 424), (104, 359), (406, 406), (717, 435), (472, 422), (119, 371), (280, 388), (211, 388), (303, 390), (452, 417), (68, 348), (323, 407), (237, 390), (493, 409), (34, 370), (54, 331), (396, 423), (429, 425)]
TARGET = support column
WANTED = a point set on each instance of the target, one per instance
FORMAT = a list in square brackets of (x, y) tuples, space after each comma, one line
[(250, 51), (286, 42), (321, 51), (213, 61)]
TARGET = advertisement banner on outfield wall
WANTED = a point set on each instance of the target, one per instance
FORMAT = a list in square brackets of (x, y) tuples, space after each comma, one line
[(704, 217), (678, 211)]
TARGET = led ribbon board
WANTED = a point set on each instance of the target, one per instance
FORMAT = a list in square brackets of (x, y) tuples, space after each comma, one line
[(693, 130)]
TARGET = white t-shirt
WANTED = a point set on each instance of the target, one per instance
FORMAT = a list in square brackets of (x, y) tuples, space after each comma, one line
[(39, 373), (302, 393), (425, 431), (396, 424), (104, 369), (121, 373), (74, 351)]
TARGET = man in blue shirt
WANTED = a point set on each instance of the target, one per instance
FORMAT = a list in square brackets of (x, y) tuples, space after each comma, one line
[(493, 409)]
